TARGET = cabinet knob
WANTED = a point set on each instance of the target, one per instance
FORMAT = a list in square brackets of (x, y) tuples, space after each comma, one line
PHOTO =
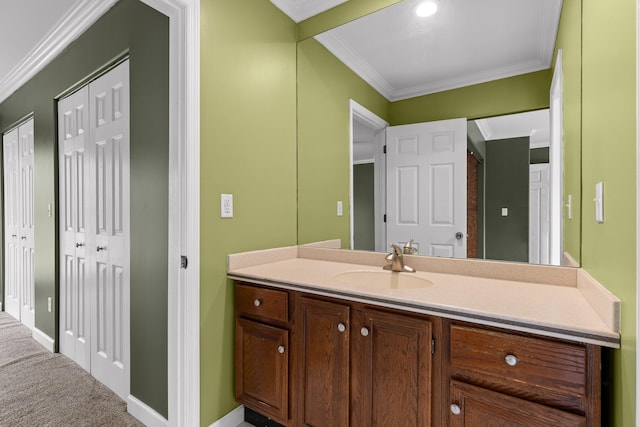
[(511, 360), (280, 349), (257, 302), (341, 327), (364, 331), (455, 409)]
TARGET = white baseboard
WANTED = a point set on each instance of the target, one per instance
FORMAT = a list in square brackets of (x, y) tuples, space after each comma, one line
[(43, 339), (232, 419), (144, 413)]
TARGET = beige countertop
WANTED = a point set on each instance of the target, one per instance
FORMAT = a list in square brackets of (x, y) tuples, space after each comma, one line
[(568, 305)]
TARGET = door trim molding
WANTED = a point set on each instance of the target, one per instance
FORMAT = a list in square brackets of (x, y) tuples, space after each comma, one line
[(184, 209), (377, 123), (184, 180)]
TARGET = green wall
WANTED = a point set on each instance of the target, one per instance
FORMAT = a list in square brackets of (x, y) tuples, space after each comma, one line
[(608, 155), (517, 94), (506, 169), (569, 39), (364, 207), (325, 86), (133, 27), (248, 149)]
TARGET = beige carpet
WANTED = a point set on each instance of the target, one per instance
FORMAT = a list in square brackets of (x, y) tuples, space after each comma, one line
[(38, 388)]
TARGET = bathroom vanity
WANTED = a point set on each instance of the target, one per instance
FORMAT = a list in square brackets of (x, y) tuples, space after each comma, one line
[(325, 337)]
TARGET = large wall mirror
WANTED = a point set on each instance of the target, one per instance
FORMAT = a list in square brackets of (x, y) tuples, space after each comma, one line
[(459, 131)]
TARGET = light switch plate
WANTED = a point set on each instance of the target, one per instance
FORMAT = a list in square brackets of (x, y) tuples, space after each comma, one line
[(569, 206), (226, 206), (600, 202), (339, 208), (505, 211)]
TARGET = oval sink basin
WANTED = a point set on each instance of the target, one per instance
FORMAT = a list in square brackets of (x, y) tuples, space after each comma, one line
[(383, 279)]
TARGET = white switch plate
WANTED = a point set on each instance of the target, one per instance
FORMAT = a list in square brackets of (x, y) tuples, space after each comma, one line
[(49, 304), (226, 206), (339, 208), (505, 211), (600, 202), (569, 206)]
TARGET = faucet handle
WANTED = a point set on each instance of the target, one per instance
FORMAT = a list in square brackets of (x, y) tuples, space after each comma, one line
[(408, 249)]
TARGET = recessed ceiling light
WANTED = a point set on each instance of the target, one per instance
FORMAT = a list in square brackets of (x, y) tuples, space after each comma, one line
[(426, 8)]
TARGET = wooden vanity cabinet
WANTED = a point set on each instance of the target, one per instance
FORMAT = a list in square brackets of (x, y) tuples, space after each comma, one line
[(262, 350), (507, 378), (362, 366), (309, 360)]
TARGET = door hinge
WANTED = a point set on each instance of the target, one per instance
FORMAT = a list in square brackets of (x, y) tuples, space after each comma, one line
[(184, 261), (433, 346), (384, 149)]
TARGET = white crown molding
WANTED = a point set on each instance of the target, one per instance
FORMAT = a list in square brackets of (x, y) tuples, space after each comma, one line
[(485, 129), (341, 50), (299, 10), (70, 27)]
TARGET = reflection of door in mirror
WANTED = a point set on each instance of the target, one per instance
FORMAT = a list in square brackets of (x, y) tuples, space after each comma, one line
[(510, 211)]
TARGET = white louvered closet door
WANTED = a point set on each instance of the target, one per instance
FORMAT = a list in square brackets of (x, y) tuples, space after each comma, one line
[(94, 214), (75, 320), (18, 149)]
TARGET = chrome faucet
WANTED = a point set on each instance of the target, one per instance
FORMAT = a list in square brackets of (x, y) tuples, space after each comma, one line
[(397, 260)]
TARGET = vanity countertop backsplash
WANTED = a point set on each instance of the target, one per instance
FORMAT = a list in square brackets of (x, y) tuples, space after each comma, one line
[(560, 302)]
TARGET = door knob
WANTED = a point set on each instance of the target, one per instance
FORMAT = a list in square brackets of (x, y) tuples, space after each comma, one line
[(101, 248), (459, 235), (79, 245), (23, 237)]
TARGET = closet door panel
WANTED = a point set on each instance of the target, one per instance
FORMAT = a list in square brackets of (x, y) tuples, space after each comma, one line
[(75, 271), (26, 280), (11, 223), (109, 100)]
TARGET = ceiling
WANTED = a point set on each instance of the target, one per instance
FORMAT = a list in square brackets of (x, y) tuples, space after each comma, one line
[(26, 25), (402, 56), (466, 42)]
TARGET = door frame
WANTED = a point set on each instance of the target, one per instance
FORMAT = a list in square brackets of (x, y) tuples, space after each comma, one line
[(184, 190), (380, 167), (556, 250)]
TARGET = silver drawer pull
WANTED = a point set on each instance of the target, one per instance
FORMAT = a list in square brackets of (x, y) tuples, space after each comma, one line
[(341, 327), (280, 349), (455, 409), (511, 360), (257, 302), (364, 331)]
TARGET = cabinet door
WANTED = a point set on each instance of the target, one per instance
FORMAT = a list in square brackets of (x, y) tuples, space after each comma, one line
[(473, 406), (262, 368), (324, 363), (396, 374)]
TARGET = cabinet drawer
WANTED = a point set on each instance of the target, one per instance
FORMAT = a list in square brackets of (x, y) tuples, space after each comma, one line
[(267, 303), (518, 363)]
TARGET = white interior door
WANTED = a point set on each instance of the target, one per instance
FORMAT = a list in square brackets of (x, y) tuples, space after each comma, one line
[(539, 213), (18, 149), (109, 158), (75, 271), (427, 187), (26, 279), (95, 228), (11, 224)]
